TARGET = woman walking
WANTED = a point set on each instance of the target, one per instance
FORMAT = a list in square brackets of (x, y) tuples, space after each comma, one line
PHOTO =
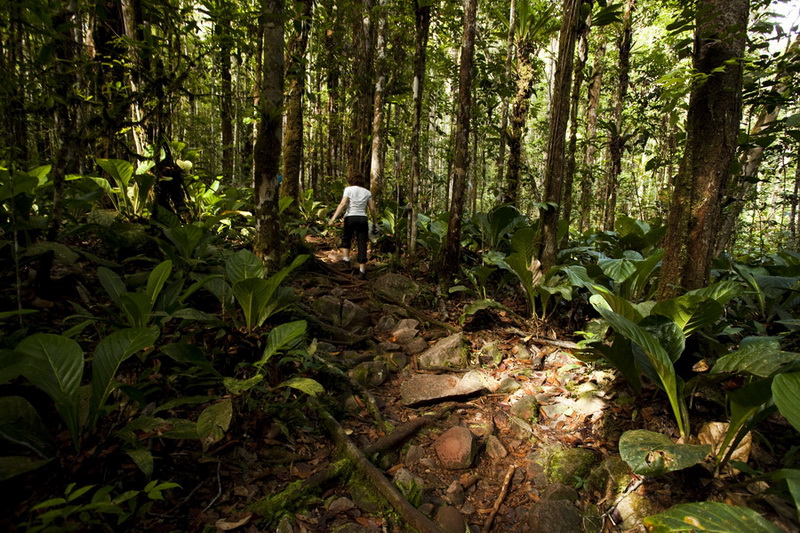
[(356, 198)]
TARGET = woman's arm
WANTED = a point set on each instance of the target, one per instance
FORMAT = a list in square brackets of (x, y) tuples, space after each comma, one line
[(342, 205)]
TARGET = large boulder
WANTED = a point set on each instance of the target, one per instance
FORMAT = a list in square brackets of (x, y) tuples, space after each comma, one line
[(450, 352)]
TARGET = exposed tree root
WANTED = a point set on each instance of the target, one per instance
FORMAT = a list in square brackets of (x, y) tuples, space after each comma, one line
[(410, 514), (487, 526), (358, 388), (424, 317)]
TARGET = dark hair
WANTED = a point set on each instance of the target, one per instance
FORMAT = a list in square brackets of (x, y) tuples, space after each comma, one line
[(356, 179)]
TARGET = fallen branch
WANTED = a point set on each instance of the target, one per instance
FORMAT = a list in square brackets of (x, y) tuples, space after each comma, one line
[(487, 526), (567, 345), (410, 514)]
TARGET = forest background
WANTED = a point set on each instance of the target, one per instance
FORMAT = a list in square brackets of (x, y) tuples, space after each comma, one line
[(654, 142)]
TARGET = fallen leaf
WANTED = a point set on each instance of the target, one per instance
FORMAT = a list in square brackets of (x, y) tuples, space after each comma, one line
[(226, 525)]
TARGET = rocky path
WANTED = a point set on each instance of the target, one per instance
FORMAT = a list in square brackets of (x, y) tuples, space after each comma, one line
[(512, 430)]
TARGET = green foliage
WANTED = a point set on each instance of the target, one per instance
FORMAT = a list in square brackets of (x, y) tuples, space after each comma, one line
[(653, 454), (709, 516)]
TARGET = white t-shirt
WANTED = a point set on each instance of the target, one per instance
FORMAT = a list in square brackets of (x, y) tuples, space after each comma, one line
[(359, 198)]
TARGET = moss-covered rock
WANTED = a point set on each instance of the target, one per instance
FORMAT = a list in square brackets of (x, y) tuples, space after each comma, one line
[(569, 466), (610, 478)]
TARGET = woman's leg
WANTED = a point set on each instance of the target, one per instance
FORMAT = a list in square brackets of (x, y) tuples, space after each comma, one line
[(362, 236), (347, 238)]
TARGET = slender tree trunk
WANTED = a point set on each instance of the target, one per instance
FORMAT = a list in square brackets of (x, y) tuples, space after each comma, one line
[(587, 176), (559, 115), (501, 150), (225, 99), (358, 157), (449, 257), (615, 142), (794, 243), (715, 109), (422, 24), (378, 141), (569, 166), (295, 89), (519, 114), (267, 150)]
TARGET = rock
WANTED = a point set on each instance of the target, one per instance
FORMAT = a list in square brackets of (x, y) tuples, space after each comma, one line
[(508, 385), (495, 448), (610, 478), (414, 454), (554, 516), (449, 352), (417, 345), (422, 388), (396, 287), (523, 354), (633, 509), (404, 335), (340, 505), (455, 493), (370, 374), (354, 318), (328, 308), (526, 408), (455, 448), (427, 509), (389, 346), (406, 480), (410, 323), (386, 324), (559, 491), (365, 496), (450, 520), (569, 466)]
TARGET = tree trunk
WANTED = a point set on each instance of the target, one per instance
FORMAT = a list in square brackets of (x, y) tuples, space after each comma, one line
[(559, 114), (422, 24), (378, 142), (359, 144), (295, 89), (225, 98), (587, 176), (449, 257), (615, 141), (519, 114), (715, 109), (569, 168), (501, 150), (267, 152)]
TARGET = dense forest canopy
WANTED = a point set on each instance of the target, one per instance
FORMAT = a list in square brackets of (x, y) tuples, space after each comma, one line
[(624, 174)]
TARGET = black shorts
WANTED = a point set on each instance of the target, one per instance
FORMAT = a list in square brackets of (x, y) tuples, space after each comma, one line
[(358, 226)]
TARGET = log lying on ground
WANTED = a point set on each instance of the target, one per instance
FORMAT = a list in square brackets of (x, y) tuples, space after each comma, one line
[(410, 514), (300, 491)]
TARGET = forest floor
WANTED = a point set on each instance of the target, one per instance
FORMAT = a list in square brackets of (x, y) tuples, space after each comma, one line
[(540, 405)]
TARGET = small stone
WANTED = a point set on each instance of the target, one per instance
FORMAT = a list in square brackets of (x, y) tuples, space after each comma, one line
[(495, 448), (404, 335), (427, 508), (523, 354), (455, 493), (386, 324), (341, 505), (406, 479), (410, 323), (370, 374), (449, 352), (396, 361), (389, 346), (455, 448), (526, 408), (570, 466), (414, 454), (450, 520), (467, 509), (555, 516), (417, 345), (508, 385)]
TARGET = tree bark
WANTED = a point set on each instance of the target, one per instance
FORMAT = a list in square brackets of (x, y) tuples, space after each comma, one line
[(377, 155), (267, 152), (587, 176), (559, 114), (225, 97), (295, 91), (519, 114), (358, 160), (715, 109), (449, 258), (615, 140), (422, 24), (501, 150)]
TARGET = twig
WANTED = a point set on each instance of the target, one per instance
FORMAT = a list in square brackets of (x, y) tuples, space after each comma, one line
[(487, 526), (219, 491), (410, 514), (567, 345)]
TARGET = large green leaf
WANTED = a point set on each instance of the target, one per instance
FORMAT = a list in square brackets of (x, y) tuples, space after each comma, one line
[(21, 424), (157, 278), (620, 354), (749, 406), (121, 171), (189, 354), (143, 459), (709, 516), (213, 422), (759, 356), (603, 298), (109, 355), (668, 333), (656, 355), (786, 393), (10, 365), (186, 238), (652, 454), (689, 311), (635, 284), (721, 292), (55, 365), (112, 283), (137, 307), (617, 269), (252, 294), (15, 465), (242, 265), (307, 385), (281, 337)]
